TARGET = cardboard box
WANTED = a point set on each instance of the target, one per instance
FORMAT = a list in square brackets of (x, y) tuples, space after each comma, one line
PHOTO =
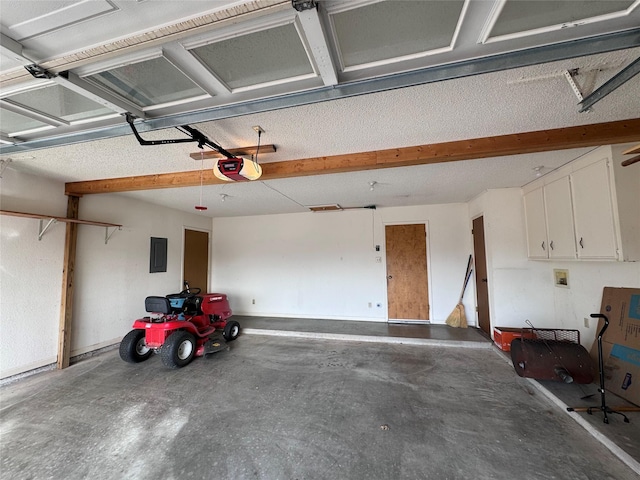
[(622, 307), (503, 336), (620, 342), (622, 371)]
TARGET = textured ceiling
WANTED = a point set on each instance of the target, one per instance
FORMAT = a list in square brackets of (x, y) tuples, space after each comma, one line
[(510, 101), (420, 185)]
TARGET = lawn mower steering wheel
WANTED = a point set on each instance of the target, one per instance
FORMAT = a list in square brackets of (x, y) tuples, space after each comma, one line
[(189, 292)]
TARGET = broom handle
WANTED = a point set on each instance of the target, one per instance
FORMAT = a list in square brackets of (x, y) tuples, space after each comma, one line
[(466, 283), (467, 276)]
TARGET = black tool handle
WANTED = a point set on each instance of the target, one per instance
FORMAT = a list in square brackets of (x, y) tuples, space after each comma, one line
[(467, 276), (603, 402), (606, 323)]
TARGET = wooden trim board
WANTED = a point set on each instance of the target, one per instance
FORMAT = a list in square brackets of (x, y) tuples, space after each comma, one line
[(59, 219), (240, 152), (68, 274)]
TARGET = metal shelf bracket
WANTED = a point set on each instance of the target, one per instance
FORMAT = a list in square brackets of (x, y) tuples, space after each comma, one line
[(46, 227), (108, 235)]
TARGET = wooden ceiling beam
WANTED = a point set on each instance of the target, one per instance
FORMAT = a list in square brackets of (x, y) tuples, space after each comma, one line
[(530, 142)]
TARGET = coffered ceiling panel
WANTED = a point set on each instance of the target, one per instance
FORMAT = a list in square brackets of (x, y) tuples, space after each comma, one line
[(389, 31), (60, 103), (266, 56), (148, 83), (30, 18), (186, 62), (522, 17)]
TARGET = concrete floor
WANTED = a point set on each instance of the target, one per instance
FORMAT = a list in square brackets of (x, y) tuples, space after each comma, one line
[(440, 335), (299, 408)]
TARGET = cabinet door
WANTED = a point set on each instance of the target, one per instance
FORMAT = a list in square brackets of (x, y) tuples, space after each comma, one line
[(593, 212), (536, 225), (560, 233)]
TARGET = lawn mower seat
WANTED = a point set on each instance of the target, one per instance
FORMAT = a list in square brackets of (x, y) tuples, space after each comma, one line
[(177, 302), (157, 305)]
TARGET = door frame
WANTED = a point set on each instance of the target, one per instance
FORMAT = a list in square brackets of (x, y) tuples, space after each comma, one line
[(428, 259), (197, 229), (489, 274)]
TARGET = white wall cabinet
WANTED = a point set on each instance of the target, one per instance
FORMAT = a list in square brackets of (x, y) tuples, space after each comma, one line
[(559, 216), (593, 212), (587, 209), (549, 219), (537, 242)]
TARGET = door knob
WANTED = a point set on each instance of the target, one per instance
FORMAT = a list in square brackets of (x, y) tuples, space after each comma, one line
[(484, 280), (389, 277)]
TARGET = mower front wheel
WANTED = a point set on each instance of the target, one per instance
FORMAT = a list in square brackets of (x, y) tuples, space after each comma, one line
[(231, 330), (133, 348), (178, 350)]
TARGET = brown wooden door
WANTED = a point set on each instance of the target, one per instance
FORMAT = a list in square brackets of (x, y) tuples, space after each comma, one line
[(196, 259), (407, 287), (482, 287)]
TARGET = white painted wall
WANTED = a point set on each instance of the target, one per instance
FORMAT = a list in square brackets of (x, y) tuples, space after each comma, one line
[(323, 265), (111, 281), (30, 273), (300, 265), (522, 289)]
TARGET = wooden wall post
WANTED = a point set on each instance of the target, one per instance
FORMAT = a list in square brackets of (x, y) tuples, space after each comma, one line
[(66, 303)]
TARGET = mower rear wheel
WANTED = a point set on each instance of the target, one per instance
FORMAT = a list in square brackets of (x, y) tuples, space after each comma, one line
[(178, 350), (133, 348), (231, 330)]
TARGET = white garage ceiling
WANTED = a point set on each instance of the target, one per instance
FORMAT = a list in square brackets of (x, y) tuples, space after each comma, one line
[(347, 77)]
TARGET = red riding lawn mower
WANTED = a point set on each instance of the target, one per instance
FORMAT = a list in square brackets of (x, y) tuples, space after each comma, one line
[(181, 326)]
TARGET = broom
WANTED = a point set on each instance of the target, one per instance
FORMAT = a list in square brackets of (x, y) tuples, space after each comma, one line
[(457, 318)]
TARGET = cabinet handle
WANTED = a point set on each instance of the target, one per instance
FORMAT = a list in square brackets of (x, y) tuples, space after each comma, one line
[(551, 244), (542, 245), (580, 242)]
